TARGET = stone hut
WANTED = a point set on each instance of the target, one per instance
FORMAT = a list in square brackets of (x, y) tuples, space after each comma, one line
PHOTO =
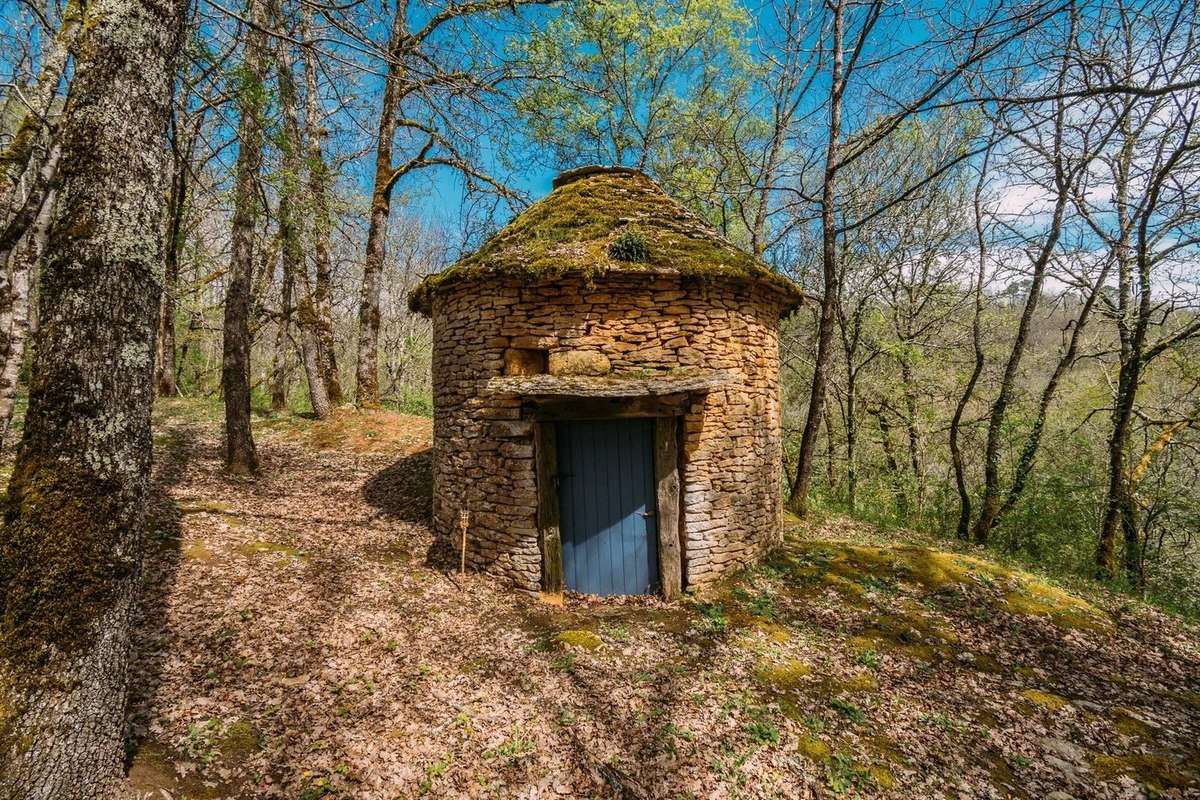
[(606, 394)]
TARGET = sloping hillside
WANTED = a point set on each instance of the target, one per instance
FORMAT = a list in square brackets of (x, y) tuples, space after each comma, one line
[(301, 637)]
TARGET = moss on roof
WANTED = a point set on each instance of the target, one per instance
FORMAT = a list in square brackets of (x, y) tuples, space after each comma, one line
[(586, 226)]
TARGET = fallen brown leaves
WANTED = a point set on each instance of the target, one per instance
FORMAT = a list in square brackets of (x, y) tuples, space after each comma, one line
[(299, 637)]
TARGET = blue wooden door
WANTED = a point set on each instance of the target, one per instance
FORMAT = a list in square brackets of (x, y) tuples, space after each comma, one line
[(606, 506)]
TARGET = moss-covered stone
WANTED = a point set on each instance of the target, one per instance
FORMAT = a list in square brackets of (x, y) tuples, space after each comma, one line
[(579, 638), (264, 547), (861, 682), (202, 506), (814, 749), (1131, 726), (1151, 770), (882, 776), (1047, 700), (772, 631), (588, 224), (238, 741), (197, 552), (856, 570)]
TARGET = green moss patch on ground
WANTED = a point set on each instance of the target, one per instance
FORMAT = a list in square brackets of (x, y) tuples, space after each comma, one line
[(860, 570), (258, 548), (1045, 700)]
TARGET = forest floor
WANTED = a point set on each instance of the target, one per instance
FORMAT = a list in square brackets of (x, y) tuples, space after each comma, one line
[(301, 636)]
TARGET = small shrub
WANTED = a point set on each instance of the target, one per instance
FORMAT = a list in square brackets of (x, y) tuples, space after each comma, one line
[(848, 710), (516, 747), (868, 658), (630, 245), (714, 616), (763, 731)]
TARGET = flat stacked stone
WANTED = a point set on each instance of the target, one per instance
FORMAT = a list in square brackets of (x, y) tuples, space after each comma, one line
[(643, 329)]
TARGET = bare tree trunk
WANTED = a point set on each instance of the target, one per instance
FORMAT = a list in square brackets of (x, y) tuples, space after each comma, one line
[(70, 549), (830, 453), (1065, 170), (889, 452), (176, 208), (1118, 509), (279, 381), (294, 271), (1033, 441), (851, 444), (963, 530), (241, 457), (22, 158), (14, 322), (913, 433), (40, 183), (798, 494), (322, 229), (367, 366), (990, 505)]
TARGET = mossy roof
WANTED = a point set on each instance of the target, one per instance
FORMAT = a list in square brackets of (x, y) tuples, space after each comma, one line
[(570, 232)]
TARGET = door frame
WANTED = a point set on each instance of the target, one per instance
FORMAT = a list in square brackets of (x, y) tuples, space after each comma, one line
[(666, 411)]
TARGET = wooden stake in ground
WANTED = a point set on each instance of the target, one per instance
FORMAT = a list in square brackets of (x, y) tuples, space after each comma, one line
[(464, 521)]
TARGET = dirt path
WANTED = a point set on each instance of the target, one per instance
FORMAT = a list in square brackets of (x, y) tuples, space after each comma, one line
[(299, 639)]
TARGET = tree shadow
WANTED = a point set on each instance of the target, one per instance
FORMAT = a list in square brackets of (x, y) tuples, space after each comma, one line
[(159, 567), (404, 490)]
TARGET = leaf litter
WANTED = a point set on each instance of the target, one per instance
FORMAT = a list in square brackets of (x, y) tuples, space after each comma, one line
[(303, 635)]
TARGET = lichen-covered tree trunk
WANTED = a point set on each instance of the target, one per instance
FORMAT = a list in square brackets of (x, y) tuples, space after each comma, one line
[(70, 549), (241, 457), (322, 228)]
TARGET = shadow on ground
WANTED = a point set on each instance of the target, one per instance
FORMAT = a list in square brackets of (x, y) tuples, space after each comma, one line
[(404, 490), (172, 453)]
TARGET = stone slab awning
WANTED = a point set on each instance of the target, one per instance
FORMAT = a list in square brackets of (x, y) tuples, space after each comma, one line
[(608, 385)]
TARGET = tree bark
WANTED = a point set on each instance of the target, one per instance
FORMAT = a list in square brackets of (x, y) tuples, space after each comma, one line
[(241, 457), (294, 272), (367, 366), (279, 376), (22, 158), (990, 504), (71, 546), (14, 322), (893, 465), (176, 209), (963, 529), (798, 494), (322, 229)]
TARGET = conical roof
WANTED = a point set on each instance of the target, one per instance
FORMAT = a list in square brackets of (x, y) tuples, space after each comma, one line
[(599, 220)]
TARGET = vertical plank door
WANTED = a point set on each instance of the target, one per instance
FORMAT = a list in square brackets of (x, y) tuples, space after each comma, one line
[(607, 506)]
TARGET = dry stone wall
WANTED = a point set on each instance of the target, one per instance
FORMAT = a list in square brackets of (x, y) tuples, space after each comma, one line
[(730, 447)]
